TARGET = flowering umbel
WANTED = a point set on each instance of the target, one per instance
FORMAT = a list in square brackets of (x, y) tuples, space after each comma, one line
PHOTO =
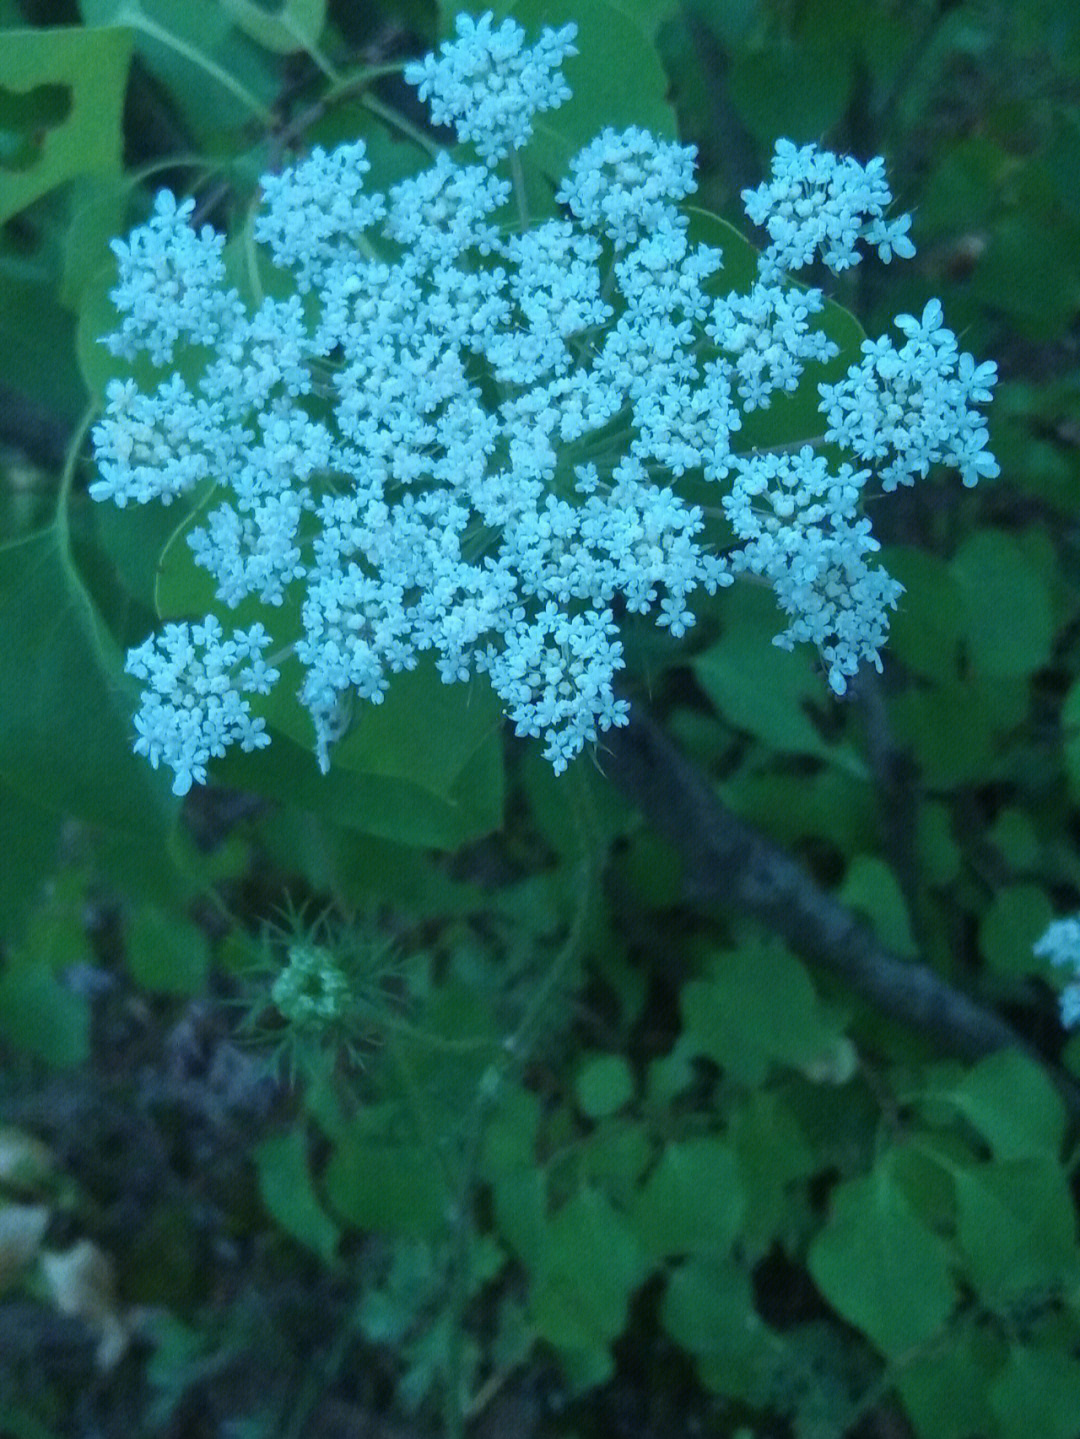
[(462, 434)]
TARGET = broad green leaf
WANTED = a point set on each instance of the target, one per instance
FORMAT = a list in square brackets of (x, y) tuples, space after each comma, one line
[(774, 707), (37, 350), (831, 805), (871, 887), (65, 706), (29, 837), (939, 854), (216, 75), (293, 25), (880, 1267), (955, 730), (165, 953), (39, 1014), (1016, 1224), (945, 1387), (1014, 836), (288, 1193), (772, 1151), (759, 1008), (1030, 271), (91, 66), (469, 806), (614, 1157), (519, 1196), (1008, 614), (708, 1310), (1070, 736), (925, 631), (604, 1084), (692, 1203), (511, 1133), (591, 1265), (383, 1183), (97, 217), (1012, 1102), (796, 90), (1017, 917), (1037, 1392)]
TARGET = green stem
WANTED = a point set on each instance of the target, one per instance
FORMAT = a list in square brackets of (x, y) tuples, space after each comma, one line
[(389, 116), (517, 174), (515, 1053), (149, 27), (354, 80)]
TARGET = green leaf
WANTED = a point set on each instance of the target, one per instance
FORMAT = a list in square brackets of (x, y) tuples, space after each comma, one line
[(945, 1388), (1011, 1101), (759, 1008), (37, 349), (926, 630), (708, 1309), (797, 90), (423, 767), (1070, 736), (692, 1203), (772, 1151), (511, 1133), (288, 1193), (166, 954), (1030, 271), (604, 1084), (468, 807), (872, 888), (1017, 917), (29, 838), (1037, 1392), (590, 1266), (295, 25), (1008, 615), (520, 1202), (1016, 1225), (880, 1267), (65, 705), (40, 1015), (775, 708), (216, 75), (952, 751), (383, 1184), (91, 66)]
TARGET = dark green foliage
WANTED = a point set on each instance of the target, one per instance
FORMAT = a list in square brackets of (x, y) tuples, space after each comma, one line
[(585, 1118)]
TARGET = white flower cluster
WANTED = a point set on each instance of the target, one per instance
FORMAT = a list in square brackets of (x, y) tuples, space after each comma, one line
[(819, 202), (461, 435), (912, 406), (193, 708), (804, 536), (1061, 946), (488, 85)]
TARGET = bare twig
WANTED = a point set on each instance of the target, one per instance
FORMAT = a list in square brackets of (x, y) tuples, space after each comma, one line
[(729, 863)]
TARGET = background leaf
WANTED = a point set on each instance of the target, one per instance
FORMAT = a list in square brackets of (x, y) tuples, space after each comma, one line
[(880, 1266), (91, 65)]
